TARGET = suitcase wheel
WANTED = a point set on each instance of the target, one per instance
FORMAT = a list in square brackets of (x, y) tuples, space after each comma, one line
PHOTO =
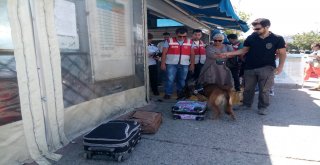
[(87, 155), (131, 149), (176, 117), (199, 118), (119, 158), (175, 108)]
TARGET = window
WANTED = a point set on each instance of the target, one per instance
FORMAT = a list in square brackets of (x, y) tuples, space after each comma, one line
[(9, 93), (167, 23), (108, 56)]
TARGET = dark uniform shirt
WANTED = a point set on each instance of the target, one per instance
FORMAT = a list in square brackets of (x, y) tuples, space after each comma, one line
[(262, 51)]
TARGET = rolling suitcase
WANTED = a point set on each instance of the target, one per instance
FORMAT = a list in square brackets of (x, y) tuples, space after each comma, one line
[(115, 138), (189, 110), (149, 121)]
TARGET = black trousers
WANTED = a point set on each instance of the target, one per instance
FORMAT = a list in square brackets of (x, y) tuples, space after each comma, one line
[(194, 75), (153, 78), (235, 75), (161, 74), (197, 70)]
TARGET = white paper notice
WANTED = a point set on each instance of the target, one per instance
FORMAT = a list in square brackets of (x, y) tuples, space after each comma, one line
[(111, 30), (139, 34), (65, 18)]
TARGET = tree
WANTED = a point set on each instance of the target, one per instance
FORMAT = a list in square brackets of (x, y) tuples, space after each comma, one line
[(244, 17), (303, 41), (291, 46)]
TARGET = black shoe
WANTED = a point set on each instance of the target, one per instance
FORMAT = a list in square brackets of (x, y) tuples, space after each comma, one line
[(180, 95), (181, 98), (156, 93), (166, 97)]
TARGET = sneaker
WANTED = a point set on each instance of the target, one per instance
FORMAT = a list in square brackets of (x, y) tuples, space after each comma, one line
[(262, 111), (181, 95), (166, 97), (315, 88), (271, 93)]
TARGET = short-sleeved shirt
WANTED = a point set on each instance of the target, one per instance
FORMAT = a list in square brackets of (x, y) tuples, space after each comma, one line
[(195, 44), (160, 45), (262, 51), (152, 49)]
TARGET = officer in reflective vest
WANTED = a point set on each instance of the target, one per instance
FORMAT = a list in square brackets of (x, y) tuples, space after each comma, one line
[(177, 58), (199, 51)]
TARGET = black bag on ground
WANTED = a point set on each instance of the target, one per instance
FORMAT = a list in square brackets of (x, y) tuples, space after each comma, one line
[(115, 138)]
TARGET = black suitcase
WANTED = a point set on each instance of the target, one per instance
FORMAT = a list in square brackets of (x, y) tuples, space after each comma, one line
[(115, 138)]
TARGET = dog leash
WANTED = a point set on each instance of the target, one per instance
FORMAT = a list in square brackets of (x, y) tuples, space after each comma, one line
[(196, 91)]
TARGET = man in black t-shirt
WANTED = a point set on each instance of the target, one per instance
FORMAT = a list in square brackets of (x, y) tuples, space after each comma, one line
[(260, 67)]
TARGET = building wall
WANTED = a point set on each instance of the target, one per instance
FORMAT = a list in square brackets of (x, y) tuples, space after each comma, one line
[(82, 117), (13, 144)]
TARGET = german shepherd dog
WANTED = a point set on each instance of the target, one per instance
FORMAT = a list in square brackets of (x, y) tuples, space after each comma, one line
[(217, 96)]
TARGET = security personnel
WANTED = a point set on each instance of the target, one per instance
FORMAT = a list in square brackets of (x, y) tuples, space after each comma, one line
[(199, 51), (177, 58)]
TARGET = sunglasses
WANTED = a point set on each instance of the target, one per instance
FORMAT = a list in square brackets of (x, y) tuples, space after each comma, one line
[(257, 28), (217, 40), (182, 36)]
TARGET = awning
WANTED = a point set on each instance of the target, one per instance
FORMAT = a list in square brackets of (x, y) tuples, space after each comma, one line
[(168, 9), (215, 13)]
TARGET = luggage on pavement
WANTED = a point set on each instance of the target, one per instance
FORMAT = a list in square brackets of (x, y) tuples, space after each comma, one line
[(194, 110), (150, 121), (115, 138)]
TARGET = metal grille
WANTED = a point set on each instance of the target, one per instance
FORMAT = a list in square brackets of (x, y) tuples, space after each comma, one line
[(77, 79)]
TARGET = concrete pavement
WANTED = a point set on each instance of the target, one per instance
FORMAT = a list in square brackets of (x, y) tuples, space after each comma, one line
[(289, 134)]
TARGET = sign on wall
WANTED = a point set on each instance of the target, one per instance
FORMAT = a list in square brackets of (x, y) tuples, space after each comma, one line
[(66, 24), (110, 31)]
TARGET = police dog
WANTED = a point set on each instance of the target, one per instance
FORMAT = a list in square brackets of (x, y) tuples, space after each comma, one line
[(217, 96)]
